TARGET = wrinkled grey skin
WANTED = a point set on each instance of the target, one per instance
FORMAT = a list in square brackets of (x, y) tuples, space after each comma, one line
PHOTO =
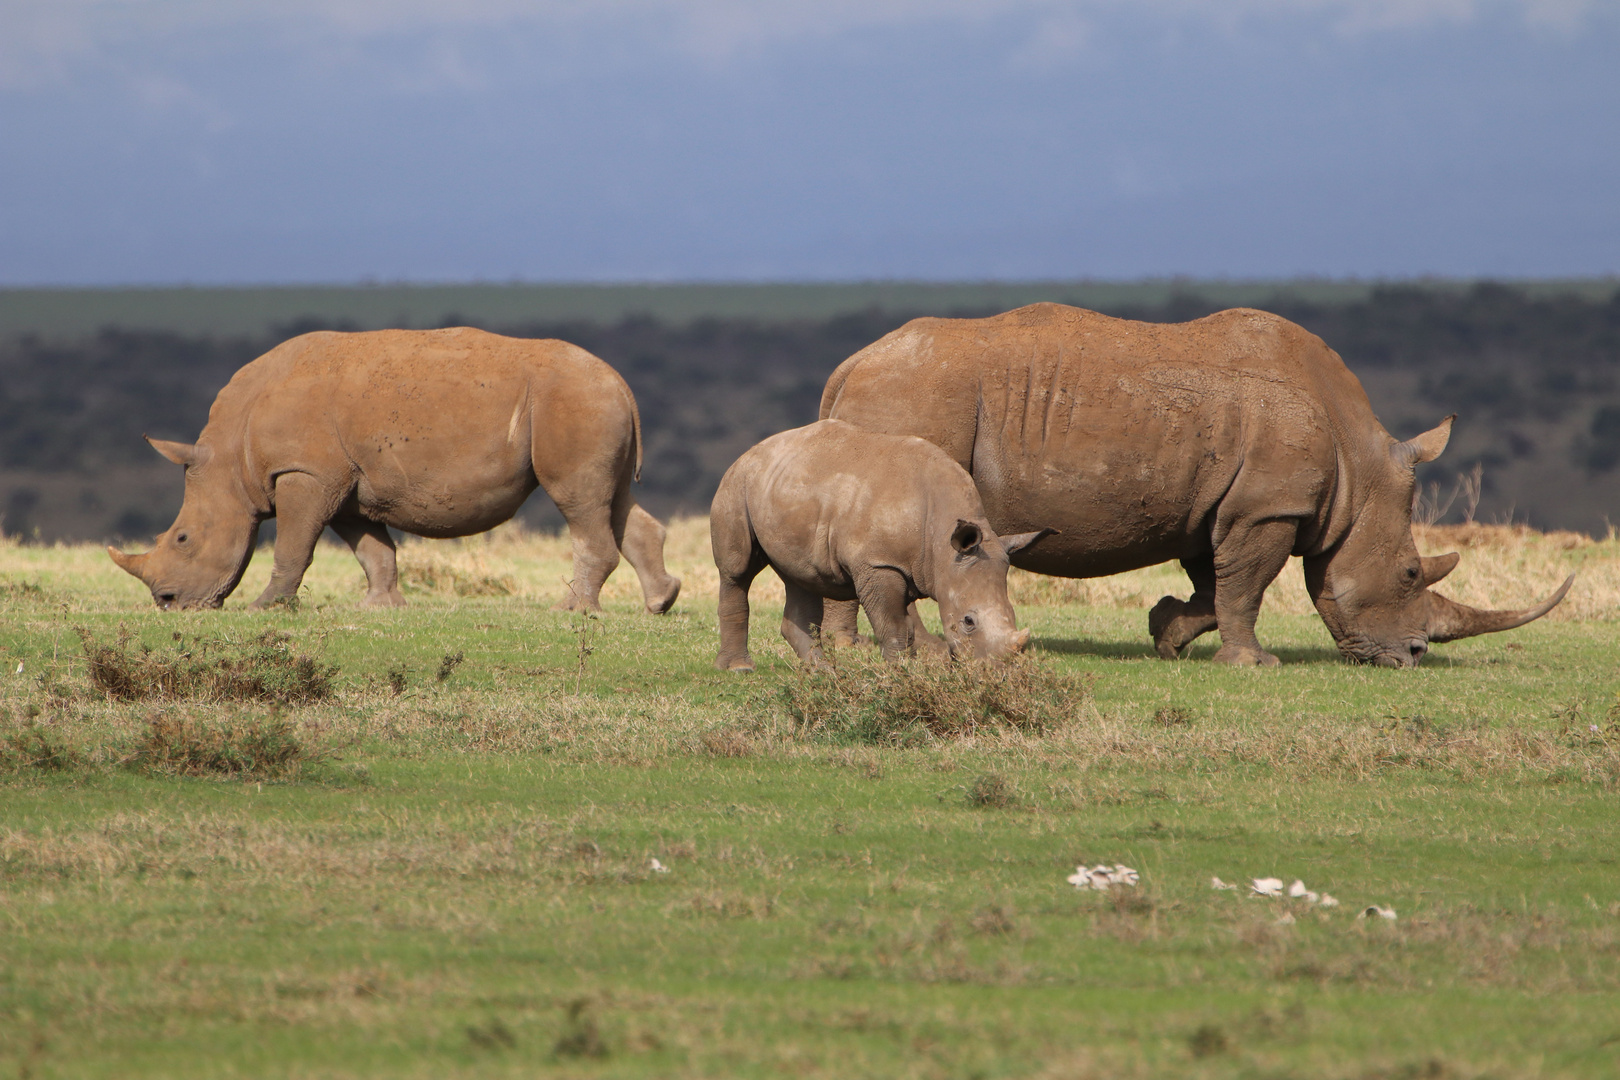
[(844, 514), (433, 432), (1228, 443)]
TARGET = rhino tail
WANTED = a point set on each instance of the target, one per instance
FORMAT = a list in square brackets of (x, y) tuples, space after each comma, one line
[(835, 386), (635, 425)]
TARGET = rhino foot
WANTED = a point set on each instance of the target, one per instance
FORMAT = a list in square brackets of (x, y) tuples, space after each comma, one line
[(658, 605), (734, 663), (1244, 656), (1173, 627)]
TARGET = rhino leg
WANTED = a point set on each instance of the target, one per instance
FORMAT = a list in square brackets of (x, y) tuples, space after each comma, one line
[(1174, 623), (303, 507), (738, 559), (596, 549), (883, 595), (374, 549), (923, 639), (801, 624), (643, 548), (838, 623), (1247, 560)]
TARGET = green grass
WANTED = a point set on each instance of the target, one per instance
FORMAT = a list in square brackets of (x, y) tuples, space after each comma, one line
[(458, 882)]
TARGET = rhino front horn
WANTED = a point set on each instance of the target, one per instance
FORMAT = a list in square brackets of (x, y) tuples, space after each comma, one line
[(1449, 620), (130, 564)]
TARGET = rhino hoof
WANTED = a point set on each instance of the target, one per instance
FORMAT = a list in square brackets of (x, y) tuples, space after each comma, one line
[(1243, 656), (739, 663), (662, 604)]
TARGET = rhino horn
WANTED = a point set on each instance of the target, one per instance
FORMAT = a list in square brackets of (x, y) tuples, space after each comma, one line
[(130, 564), (1424, 447), (178, 452), (1449, 620), (1436, 567)]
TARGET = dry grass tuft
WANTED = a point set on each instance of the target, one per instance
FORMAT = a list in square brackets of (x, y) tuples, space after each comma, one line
[(265, 668), (895, 704)]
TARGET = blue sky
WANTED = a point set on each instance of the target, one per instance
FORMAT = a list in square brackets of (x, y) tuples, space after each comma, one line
[(270, 141)]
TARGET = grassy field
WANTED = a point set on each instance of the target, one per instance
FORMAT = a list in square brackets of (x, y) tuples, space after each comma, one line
[(477, 837), (252, 311)]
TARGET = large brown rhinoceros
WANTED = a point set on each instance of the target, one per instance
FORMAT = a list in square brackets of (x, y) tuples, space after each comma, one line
[(434, 432), (1229, 443), (844, 513)]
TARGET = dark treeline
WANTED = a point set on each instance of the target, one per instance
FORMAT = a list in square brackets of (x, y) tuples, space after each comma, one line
[(1535, 381)]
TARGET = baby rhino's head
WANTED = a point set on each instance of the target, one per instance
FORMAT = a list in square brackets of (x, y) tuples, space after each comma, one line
[(971, 588)]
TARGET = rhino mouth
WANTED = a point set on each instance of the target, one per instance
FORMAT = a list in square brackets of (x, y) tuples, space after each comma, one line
[(1405, 654)]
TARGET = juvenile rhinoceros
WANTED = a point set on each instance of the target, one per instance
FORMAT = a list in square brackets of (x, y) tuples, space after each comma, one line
[(843, 513), (435, 432), (1228, 443)]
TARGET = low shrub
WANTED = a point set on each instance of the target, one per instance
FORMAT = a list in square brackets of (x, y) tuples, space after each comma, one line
[(914, 701), (257, 750), (264, 668), (33, 746)]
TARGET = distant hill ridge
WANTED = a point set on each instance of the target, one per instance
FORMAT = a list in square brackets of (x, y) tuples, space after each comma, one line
[(1532, 370)]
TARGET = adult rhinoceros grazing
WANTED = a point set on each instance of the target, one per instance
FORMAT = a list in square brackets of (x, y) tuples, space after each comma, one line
[(434, 432), (1229, 443)]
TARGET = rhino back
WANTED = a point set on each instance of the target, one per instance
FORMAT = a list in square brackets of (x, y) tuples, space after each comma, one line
[(827, 499), (1125, 436), (438, 429)]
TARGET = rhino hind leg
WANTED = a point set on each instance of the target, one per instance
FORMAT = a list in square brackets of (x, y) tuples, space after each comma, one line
[(801, 624), (591, 527), (374, 549), (1175, 624), (738, 560), (643, 549)]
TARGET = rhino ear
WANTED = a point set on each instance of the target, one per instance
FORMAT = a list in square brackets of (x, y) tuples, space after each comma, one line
[(966, 536), (178, 452), (1019, 541), (1437, 566), (1424, 447)]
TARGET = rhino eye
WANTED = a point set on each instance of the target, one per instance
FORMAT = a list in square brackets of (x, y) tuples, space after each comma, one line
[(969, 624), (182, 538), (1411, 573)]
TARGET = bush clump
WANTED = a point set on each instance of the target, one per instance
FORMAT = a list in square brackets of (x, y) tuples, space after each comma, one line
[(33, 746), (915, 701), (257, 750), (265, 668)]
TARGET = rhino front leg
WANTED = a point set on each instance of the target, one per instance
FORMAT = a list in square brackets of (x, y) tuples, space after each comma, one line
[(801, 624), (643, 548), (839, 623), (883, 594), (374, 549), (1248, 560), (303, 507), (1174, 623), (923, 639)]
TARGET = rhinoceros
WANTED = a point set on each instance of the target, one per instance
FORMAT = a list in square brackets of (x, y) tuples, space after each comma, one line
[(843, 513), (435, 432), (1229, 443)]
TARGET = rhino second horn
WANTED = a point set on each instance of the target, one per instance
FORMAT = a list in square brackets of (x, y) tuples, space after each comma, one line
[(1449, 620), (130, 564)]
